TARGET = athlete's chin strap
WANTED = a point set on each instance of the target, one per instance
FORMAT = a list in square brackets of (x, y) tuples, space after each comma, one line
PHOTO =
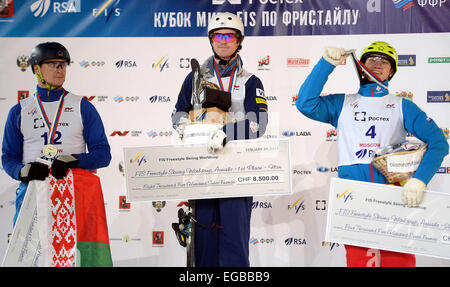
[(365, 74), (224, 62), (41, 79)]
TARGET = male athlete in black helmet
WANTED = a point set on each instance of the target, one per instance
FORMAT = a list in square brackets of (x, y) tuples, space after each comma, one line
[(53, 125)]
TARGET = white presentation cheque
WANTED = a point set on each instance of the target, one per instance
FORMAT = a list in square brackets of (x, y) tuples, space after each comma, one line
[(374, 216), (242, 168)]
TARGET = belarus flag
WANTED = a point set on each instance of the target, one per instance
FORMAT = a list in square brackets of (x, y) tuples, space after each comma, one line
[(61, 223)]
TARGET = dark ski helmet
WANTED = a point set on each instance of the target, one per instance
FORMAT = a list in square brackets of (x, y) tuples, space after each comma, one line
[(48, 50)]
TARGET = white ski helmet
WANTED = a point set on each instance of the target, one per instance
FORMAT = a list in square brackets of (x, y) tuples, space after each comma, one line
[(226, 20)]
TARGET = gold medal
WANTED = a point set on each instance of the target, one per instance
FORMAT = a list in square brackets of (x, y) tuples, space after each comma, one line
[(50, 151)]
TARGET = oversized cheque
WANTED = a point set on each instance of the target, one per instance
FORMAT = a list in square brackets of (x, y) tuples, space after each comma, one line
[(243, 168), (374, 216)]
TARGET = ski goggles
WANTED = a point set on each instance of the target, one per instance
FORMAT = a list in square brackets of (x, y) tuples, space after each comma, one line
[(56, 64), (229, 37), (377, 60)]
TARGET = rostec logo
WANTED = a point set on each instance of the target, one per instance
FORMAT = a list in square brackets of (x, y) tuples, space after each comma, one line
[(126, 64), (360, 116), (185, 63), (321, 204), (346, 195), (220, 2), (119, 133)]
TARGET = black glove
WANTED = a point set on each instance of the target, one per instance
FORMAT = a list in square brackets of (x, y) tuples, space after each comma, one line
[(61, 165), (34, 170)]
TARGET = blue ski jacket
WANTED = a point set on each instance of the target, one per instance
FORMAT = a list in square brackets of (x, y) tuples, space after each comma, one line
[(328, 109), (98, 154)]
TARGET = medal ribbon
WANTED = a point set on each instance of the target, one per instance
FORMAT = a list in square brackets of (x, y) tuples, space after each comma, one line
[(48, 124), (360, 67), (219, 78)]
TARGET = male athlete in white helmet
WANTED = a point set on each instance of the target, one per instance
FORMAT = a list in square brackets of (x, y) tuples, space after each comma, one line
[(224, 240)]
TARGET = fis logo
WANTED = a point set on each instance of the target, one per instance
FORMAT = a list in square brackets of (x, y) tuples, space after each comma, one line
[(346, 195), (298, 205), (140, 159), (362, 153), (108, 11), (331, 245), (161, 64)]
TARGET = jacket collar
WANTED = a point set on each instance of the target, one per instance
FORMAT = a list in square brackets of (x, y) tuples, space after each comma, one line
[(49, 95), (373, 90)]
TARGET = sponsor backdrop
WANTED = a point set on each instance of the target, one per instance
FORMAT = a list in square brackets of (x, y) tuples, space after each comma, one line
[(130, 59)]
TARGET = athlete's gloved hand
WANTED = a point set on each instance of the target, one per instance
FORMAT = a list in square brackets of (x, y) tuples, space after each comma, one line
[(217, 141), (335, 56), (413, 192), (34, 170), (61, 165), (181, 125)]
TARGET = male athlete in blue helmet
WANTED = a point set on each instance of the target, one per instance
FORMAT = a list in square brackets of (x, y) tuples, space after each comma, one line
[(53, 124), (350, 115), (225, 239)]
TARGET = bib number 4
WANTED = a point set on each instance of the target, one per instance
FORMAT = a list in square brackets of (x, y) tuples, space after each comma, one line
[(371, 132)]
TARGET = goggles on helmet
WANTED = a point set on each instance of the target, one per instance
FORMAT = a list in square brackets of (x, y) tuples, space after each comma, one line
[(229, 37)]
